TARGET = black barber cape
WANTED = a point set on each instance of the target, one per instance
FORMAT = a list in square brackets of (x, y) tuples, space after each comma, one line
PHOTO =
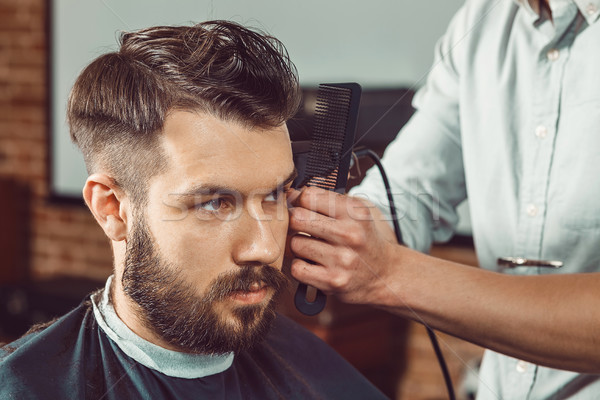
[(74, 359)]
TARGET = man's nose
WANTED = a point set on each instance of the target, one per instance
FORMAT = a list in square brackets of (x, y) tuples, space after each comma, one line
[(255, 241)]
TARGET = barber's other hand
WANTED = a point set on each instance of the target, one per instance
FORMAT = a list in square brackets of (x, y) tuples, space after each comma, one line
[(353, 248)]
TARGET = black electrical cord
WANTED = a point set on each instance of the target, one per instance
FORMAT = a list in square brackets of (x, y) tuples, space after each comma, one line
[(434, 342)]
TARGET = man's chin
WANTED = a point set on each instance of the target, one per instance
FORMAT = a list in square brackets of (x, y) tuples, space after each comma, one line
[(247, 313), (245, 325), (234, 328)]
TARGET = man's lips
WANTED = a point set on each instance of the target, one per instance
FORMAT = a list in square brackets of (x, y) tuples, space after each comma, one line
[(257, 292)]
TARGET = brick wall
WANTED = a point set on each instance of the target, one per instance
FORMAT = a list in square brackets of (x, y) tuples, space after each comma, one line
[(64, 239)]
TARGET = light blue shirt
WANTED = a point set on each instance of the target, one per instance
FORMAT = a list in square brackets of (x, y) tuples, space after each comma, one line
[(510, 118)]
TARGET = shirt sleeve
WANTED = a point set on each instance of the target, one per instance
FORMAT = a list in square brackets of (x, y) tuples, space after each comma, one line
[(424, 163)]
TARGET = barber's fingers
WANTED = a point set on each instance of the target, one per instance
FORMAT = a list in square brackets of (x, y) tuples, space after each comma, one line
[(330, 264), (318, 225), (314, 275), (312, 249), (322, 201)]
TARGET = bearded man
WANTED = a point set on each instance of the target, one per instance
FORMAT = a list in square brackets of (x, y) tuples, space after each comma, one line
[(183, 131)]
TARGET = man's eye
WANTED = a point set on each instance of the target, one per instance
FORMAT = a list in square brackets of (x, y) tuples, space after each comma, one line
[(275, 195), (211, 205)]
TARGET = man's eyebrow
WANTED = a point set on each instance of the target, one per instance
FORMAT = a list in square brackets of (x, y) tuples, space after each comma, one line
[(207, 190)]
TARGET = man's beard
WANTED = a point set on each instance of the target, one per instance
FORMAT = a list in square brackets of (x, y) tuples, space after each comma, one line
[(171, 308)]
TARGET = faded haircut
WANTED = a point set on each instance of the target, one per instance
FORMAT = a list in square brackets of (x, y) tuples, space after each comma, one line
[(118, 105)]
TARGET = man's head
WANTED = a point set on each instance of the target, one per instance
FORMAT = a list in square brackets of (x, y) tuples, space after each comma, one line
[(119, 103), (183, 133)]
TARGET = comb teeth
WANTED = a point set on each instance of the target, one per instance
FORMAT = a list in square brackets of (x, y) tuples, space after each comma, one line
[(328, 161), (333, 135)]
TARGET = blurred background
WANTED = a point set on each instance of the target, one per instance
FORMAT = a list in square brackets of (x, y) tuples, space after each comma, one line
[(52, 252)]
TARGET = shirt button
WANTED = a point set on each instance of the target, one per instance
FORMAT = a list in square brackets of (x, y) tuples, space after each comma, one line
[(553, 54), (532, 210), (591, 9), (522, 366), (541, 131)]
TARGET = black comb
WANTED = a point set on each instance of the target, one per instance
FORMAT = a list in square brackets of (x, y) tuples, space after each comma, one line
[(328, 160)]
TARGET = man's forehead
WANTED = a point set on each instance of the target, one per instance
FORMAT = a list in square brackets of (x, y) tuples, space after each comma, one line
[(202, 134), (205, 151)]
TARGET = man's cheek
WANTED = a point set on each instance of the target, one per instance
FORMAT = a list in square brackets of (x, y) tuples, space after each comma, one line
[(283, 224)]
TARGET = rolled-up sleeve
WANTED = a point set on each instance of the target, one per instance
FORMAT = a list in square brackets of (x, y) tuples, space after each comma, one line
[(424, 163)]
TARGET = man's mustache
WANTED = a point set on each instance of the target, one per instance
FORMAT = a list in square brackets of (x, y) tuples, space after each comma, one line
[(244, 280)]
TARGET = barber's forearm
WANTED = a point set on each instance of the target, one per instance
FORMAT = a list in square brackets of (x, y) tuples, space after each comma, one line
[(548, 320)]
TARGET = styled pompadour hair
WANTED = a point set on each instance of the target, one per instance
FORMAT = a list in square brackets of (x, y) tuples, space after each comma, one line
[(118, 105)]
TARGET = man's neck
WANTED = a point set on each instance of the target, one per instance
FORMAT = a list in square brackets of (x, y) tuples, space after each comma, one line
[(544, 9)]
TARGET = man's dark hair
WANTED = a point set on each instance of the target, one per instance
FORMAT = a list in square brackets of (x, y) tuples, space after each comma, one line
[(118, 105)]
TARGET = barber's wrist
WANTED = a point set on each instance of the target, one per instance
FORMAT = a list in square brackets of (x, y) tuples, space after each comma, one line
[(386, 288), (399, 289)]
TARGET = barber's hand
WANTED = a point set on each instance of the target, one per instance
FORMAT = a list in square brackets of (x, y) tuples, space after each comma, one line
[(353, 247)]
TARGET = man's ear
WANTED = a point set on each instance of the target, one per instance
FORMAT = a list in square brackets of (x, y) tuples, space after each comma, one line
[(109, 204)]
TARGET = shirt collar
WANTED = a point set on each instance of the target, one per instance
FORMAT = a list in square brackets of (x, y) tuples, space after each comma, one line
[(590, 9)]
